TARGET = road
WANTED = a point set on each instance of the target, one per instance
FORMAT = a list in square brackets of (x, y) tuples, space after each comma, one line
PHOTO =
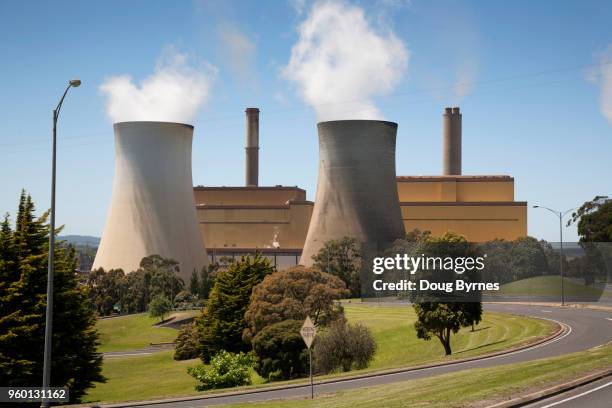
[(597, 394), (585, 328)]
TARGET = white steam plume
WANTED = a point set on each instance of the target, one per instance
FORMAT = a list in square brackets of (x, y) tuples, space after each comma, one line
[(340, 62), (173, 93)]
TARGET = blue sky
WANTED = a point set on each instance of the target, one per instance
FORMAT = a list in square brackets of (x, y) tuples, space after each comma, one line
[(527, 76)]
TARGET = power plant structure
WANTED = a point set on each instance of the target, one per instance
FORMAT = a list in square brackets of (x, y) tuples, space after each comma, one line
[(152, 209), (358, 195), (356, 189)]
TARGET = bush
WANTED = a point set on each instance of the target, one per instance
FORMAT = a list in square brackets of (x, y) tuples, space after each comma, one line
[(226, 370), (343, 346), (280, 351), (186, 343)]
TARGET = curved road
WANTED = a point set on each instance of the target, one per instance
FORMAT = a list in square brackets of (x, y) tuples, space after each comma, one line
[(585, 328)]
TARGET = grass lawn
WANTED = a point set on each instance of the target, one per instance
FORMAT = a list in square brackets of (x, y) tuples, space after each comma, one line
[(158, 375), (548, 288), (465, 388), (134, 331)]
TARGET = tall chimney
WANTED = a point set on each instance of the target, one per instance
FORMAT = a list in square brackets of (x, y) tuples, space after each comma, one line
[(252, 147), (451, 142)]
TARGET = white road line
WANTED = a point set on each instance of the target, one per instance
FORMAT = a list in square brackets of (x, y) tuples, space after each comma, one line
[(609, 318), (545, 311), (578, 396)]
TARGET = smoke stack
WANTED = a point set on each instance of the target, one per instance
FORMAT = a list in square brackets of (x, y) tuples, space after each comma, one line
[(252, 147), (451, 141), (356, 190), (152, 209)]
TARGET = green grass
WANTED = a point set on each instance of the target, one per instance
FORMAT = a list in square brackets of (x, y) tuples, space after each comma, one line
[(134, 332), (550, 287), (158, 375), (460, 389)]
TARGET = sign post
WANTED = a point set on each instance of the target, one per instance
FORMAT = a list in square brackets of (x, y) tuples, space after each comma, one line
[(308, 333)]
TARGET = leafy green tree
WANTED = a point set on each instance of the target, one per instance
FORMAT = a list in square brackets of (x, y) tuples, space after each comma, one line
[(105, 289), (222, 322), (293, 294), (163, 276), (23, 261), (594, 219), (160, 306), (442, 315), (341, 258), (136, 292), (280, 351), (527, 258)]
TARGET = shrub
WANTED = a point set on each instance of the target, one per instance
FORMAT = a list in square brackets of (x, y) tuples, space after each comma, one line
[(186, 343), (225, 370), (280, 351), (343, 346)]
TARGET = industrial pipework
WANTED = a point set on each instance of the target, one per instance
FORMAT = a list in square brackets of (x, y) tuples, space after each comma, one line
[(356, 189), (252, 147), (451, 142), (152, 210)]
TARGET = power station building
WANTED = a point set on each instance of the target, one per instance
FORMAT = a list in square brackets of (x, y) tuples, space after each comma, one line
[(275, 220)]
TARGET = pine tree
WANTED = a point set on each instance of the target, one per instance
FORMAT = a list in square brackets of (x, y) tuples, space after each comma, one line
[(221, 324), (75, 362), (194, 284)]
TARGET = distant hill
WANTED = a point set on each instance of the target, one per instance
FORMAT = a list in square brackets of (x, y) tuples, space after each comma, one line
[(84, 240)]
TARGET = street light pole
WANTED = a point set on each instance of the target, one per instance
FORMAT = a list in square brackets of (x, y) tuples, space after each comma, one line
[(559, 214), (50, 265)]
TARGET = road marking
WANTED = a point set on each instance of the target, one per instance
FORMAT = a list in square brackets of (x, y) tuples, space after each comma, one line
[(578, 396), (546, 311), (609, 318)]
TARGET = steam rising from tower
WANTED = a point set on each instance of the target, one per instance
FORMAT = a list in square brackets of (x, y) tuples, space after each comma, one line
[(356, 190), (152, 209), (451, 142)]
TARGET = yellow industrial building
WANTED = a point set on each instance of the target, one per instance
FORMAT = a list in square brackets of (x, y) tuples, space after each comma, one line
[(275, 220)]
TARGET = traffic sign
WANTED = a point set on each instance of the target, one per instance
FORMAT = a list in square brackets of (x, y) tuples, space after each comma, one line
[(308, 331)]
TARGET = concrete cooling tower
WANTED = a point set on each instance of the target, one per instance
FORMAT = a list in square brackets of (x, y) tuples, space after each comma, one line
[(152, 210), (356, 190)]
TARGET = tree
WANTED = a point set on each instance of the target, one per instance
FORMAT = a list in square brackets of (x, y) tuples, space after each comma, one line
[(163, 273), (105, 289), (341, 258), (439, 320), (440, 314), (225, 370), (280, 351), (222, 322), (160, 306), (293, 294), (194, 284), (76, 363), (594, 219)]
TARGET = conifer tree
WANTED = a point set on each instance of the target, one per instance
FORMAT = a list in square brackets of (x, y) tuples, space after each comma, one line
[(23, 255)]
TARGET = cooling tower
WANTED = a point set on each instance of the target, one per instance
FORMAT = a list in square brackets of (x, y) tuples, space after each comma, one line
[(152, 209), (356, 190)]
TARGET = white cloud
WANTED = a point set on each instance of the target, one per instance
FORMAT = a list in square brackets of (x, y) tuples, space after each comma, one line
[(238, 51), (340, 62), (298, 5), (173, 93), (603, 76)]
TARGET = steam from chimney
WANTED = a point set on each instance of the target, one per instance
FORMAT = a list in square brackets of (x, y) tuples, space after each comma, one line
[(340, 62), (173, 93)]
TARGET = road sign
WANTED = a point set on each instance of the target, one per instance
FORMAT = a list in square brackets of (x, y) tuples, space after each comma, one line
[(308, 331)]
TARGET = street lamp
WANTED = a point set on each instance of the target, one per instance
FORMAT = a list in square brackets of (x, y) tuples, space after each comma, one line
[(559, 214), (50, 267)]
